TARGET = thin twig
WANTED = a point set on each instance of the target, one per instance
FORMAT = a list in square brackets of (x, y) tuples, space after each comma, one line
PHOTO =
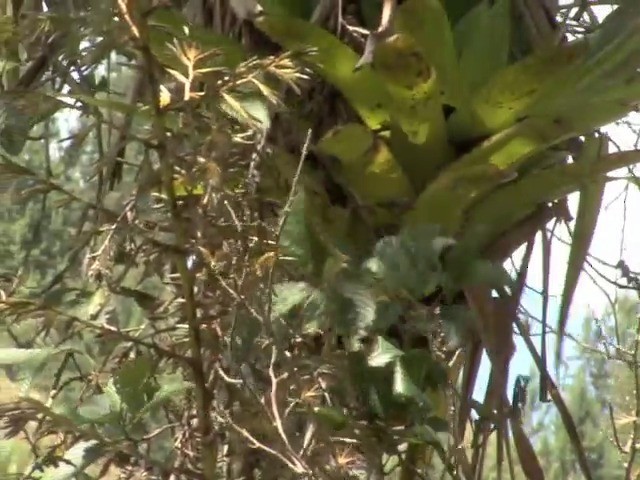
[(284, 215)]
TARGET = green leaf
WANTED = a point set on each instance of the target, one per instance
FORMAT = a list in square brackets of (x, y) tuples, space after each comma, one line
[(172, 386), (293, 301), (364, 90), (613, 49), (74, 462), (248, 109), (483, 38), (294, 8), (15, 356), (418, 128), (299, 240), (438, 424), (288, 295), (332, 417), (384, 353), (19, 114), (508, 95), (589, 205), (111, 104), (96, 409), (368, 167), (512, 203), (427, 23), (492, 165), (404, 385), (424, 434), (364, 304), (15, 457), (458, 9), (169, 27), (408, 263), (484, 272), (133, 383), (425, 370), (170, 20)]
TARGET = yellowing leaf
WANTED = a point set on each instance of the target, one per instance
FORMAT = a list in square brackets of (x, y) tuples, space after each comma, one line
[(427, 23), (511, 91), (164, 96), (418, 131), (183, 188), (368, 167)]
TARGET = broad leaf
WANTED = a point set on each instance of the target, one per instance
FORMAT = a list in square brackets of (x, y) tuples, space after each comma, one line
[(172, 387), (418, 129), (15, 456), (385, 352), (75, 461), (169, 28), (289, 295), (368, 166), (16, 356), (363, 304), (408, 263), (427, 23), (298, 239), (331, 417), (404, 385), (133, 383), (482, 37), (97, 408)]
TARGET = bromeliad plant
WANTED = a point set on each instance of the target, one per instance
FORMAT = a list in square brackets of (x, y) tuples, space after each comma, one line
[(457, 129)]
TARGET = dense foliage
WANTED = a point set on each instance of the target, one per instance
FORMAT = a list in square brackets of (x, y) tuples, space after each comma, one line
[(250, 242)]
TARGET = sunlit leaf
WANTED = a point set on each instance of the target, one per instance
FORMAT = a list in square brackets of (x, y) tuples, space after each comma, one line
[(288, 295), (364, 90), (408, 263), (505, 98), (427, 23), (15, 356), (418, 128), (513, 202), (385, 352), (368, 167), (75, 461), (15, 456), (364, 304), (404, 385)]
